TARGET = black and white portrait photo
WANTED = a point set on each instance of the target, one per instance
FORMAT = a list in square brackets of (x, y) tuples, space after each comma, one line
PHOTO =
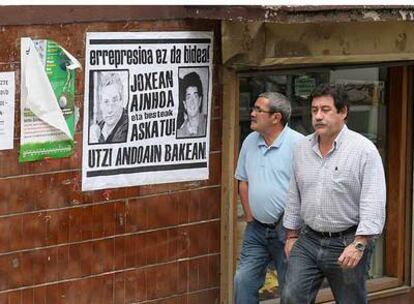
[(193, 92), (108, 121)]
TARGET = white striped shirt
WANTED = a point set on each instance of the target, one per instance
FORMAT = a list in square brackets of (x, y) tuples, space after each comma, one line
[(342, 189)]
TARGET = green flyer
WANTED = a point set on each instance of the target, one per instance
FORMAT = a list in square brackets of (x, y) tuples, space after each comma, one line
[(47, 100)]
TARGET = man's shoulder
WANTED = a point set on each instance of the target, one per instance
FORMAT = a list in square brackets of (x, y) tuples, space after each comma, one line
[(304, 140), (124, 119), (250, 143), (360, 141), (122, 125), (303, 145), (294, 135), (251, 138), (202, 125)]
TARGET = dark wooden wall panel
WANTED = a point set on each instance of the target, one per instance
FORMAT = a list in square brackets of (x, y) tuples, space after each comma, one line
[(146, 244)]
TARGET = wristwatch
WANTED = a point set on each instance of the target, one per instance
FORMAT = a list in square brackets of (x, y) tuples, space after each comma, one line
[(359, 246)]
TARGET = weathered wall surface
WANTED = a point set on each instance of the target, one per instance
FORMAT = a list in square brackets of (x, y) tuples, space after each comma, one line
[(320, 43), (147, 244)]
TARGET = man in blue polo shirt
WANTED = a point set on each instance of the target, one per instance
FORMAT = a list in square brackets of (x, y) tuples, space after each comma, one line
[(264, 169)]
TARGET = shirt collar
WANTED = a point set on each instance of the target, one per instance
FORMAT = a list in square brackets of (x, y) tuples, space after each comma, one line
[(341, 136), (277, 142), (337, 142)]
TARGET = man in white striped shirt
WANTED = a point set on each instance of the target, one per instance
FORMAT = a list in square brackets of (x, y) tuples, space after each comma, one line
[(336, 205)]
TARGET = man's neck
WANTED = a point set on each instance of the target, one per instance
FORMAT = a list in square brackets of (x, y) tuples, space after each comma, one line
[(107, 129), (271, 134), (194, 120), (326, 143)]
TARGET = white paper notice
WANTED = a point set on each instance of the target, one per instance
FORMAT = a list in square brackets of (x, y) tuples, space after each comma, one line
[(147, 108), (6, 110)]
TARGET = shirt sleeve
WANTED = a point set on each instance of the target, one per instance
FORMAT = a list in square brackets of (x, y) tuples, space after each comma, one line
[(373, 195), (241, 172), (291, 218)]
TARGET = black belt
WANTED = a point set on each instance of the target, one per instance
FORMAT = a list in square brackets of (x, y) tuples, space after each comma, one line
[(271, 226), (334, 234)]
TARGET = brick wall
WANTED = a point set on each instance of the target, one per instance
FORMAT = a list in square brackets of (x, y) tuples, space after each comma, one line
[(148, 244)]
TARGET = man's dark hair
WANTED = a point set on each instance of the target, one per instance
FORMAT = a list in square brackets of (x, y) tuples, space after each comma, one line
[(192, 80), (189, 80), (337, 92)]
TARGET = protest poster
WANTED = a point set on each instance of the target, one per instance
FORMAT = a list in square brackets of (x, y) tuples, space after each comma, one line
[(6, 110), (147, 108), (47, 100)]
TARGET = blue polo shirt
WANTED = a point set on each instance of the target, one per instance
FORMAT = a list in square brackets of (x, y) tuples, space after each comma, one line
[(267, 169)]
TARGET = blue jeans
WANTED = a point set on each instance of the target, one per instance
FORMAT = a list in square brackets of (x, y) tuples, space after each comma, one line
[(314, 257), (260, 246)]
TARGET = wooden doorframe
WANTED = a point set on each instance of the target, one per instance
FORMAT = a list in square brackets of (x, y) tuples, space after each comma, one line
[(399, 175), (230, 139)]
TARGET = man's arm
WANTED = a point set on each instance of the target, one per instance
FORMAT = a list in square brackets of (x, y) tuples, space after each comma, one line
[(244, 198), (242, 176), (371, 207), (291, 219), (291, 238)]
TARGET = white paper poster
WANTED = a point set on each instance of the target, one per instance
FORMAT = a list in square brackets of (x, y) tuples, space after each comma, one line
[(147, 108), (6, 110)]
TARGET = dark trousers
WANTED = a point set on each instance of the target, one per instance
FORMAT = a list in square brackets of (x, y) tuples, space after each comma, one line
[(314, 257)]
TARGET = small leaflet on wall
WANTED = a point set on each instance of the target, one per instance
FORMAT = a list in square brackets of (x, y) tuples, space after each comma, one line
[(147, 108), (6, 110), (47, 100)]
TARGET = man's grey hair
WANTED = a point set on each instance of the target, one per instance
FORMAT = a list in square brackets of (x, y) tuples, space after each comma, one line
[(279, 103)]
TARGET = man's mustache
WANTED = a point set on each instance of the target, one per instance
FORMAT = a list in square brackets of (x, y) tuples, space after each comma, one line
[(319, 124)]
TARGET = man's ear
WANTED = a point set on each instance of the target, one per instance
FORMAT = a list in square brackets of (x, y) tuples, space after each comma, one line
[(278, 117)]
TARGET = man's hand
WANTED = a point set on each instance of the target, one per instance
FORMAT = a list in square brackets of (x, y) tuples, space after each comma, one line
[(289, 245), (244, 195), (351, 256), (248, 218), (291, 238)]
